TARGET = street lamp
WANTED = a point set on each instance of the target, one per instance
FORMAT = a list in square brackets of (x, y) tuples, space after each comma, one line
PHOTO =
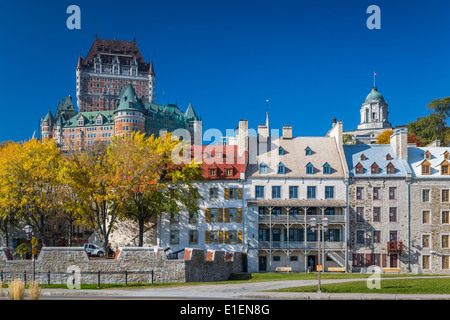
[(321, 226), (29, 231)]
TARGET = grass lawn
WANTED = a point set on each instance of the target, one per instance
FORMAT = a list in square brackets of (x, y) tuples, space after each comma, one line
[(393, 286), (237, 278)]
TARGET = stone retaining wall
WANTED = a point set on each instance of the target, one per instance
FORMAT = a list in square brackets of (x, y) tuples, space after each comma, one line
[(131, 264)]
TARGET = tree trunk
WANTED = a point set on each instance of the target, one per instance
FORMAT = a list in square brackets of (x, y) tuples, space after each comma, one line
[(141, 232)]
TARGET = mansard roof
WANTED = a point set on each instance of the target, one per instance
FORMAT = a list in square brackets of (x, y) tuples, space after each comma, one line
[(374, 154), (416, 156), (90, 118), (123, 49), (295, 159)]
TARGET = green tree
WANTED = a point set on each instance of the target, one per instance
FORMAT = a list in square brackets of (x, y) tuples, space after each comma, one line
[(434, 126)]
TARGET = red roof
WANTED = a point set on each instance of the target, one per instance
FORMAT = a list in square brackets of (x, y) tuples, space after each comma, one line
[(225, 160)]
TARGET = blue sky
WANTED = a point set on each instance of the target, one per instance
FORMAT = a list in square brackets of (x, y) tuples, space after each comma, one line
[(313, 60)]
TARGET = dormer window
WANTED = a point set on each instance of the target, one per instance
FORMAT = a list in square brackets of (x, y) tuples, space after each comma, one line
[(374, 168), (281, 169), (390, 168), (445, 167), (359, 169), (280, 151), (425, 168), (427, 155), (388, 157), (212, 172), (326, 169), (309, 168), (229, 172), (263, 168), (447, 155), (363, 157), (308, 151)]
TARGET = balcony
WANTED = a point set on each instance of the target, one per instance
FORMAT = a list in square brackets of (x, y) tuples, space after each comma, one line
[(309, 245), (298, 218), (395, 247)]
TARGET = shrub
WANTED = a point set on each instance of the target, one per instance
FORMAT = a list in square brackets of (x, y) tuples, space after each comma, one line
[(16, 290)]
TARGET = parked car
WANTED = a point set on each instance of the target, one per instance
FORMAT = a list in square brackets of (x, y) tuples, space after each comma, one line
[(94, 250)]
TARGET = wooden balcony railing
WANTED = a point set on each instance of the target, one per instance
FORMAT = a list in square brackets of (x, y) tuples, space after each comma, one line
[(394, 246)]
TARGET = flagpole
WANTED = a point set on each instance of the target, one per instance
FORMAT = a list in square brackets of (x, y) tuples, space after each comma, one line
[(374, 79)]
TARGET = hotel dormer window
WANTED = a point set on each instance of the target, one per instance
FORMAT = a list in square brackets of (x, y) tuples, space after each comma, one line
[(425, 167), (359, 169), (445, 167), (212, 172), (374, 168), (308, 151), (363, 157), (263, 168), (388, 157), (309, 168), (281, 169), (326, 169), (447, 155), (427, 155), (390, 168), (280, 151)]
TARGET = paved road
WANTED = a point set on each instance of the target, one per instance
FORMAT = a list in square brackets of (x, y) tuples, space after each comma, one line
[(252, 290)]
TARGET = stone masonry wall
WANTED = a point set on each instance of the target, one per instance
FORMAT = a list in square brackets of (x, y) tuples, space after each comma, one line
[(136, 261)]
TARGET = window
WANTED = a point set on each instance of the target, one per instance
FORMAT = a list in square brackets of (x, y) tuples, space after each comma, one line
[(359, 168), (376, 193), (374, 168), (376, 214), (214, 236), (388, 157), (259, 191), (193, 217), (280, 151), (445, 241), (174, 217), (261, 210), (425, 262), (293, 192), (326, 169), (193, 236), (229, 172), (233, 193), (308, 151), (213, 193), (329, 192), (426, 195), (213, 215), (309, 168), (263, 168), (281, 169), (426, 243), (276, 234), (276, 211), (444, 168), (427, 155), (376, 236), (392, 214), (390, 168), (445, 217), (445, 262), (363, 157), (276, 192), (212, 172), (426, 217), (425, 167), (174, 239), (263, 234), (445, 195), (360, 234), (359, 214), (231, 214), (392, 193), (359, 193), (447, 155), (311, 192)]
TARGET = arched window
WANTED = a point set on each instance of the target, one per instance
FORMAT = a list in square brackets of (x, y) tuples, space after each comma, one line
[(263, 168)]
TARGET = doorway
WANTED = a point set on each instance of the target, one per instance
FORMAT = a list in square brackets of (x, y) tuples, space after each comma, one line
[(262, 263), (393, 260), (312, 263)]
